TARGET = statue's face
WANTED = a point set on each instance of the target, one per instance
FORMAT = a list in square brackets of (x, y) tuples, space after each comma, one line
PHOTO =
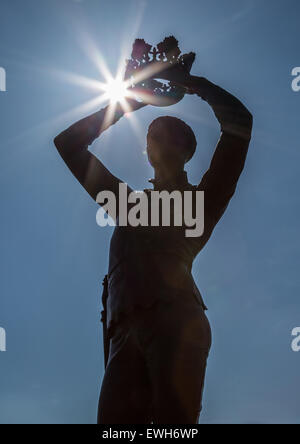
[(162, 152)]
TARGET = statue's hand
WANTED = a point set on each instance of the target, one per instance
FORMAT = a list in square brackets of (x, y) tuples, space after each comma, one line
[(133, 104), (152, 90), (175, 74)]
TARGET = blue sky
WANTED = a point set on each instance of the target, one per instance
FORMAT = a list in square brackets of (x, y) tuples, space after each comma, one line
[(54, 255)]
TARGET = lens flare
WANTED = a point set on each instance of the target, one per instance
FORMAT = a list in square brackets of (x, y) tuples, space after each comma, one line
[(116, 90)]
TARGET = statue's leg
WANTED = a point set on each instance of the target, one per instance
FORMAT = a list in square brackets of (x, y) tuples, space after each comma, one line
[(176, 338), (125, 396)]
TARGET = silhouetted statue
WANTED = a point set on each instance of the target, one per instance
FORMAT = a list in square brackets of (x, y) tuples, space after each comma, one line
[(155, 322)]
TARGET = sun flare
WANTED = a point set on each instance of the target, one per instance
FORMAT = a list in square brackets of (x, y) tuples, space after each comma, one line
[(111, 89), (116, 90)]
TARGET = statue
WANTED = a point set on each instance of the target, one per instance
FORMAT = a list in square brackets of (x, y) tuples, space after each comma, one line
[(157, 336)]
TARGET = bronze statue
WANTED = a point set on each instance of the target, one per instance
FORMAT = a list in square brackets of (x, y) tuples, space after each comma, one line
[(156, 334)]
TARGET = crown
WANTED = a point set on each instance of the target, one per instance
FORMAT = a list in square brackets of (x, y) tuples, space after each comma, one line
[(145, 64)]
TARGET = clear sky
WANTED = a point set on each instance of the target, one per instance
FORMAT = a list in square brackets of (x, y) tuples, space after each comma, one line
[(54, 255)]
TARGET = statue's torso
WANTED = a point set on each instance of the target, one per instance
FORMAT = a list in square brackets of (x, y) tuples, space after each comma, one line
[(151, 262)]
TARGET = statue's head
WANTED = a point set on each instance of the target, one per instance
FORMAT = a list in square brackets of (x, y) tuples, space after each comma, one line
[(170, 143)]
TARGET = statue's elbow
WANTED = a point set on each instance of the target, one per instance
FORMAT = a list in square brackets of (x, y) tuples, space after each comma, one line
[(59, 142), (247, 123), (249, 119)]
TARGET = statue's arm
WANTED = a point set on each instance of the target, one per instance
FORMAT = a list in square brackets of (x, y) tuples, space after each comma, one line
[(72, 145), (220, 180)]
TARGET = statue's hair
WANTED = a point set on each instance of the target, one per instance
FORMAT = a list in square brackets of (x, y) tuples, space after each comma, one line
[(175, 131)]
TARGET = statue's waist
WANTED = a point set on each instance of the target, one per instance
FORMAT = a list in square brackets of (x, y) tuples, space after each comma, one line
[(152, 270)]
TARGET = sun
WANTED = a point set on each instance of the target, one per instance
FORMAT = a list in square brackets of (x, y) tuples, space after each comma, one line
[(116, 90)]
